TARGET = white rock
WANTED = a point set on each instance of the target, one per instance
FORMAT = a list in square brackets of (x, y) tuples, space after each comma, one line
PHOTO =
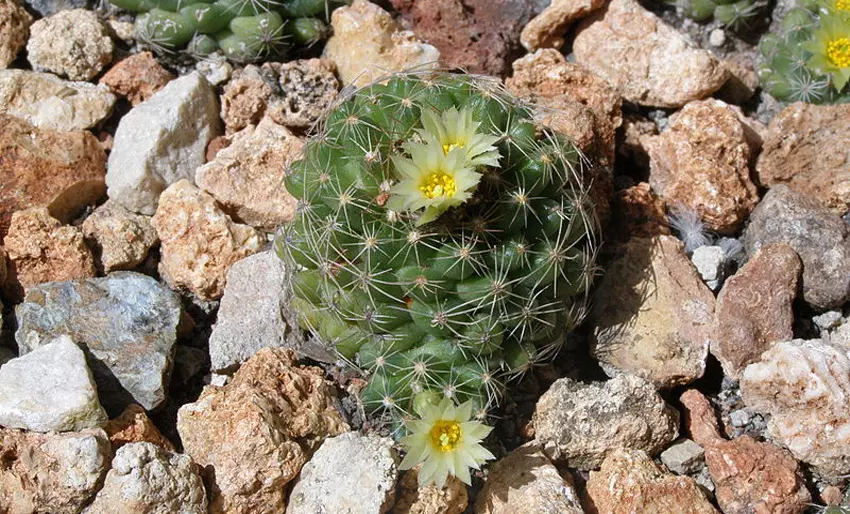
[(710, 262), (49, 389), (351, 474), (162, 141), (148, 479)]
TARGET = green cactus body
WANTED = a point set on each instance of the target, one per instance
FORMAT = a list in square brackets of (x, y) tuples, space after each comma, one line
[(736, 15), (455, 299)]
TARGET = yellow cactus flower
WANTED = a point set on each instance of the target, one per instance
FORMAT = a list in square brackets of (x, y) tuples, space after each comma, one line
[(830, 48), (446, 442), (455, 129)]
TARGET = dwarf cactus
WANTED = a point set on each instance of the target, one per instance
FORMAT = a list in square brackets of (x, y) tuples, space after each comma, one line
[(443, 241), (735, 14)]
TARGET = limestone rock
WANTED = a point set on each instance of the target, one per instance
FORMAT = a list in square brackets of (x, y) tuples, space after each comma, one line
[(247, 177), (161, 141), (648, 61), (308, 87), (629, 482), (582, 423), (548, 28), (253, 435), (412, 499), (683, 457), (367, 43), (49, 389), (199, 241), (121, 239), (127, 324), (73, 44), (807, 147), (821, 239), (49, 102), (13, 31), (134, 426), (710, 262), (55, 473), (652, 314), (137, 77), (350, 473), (63, 171), (525, 481), (147, 479), (701, 162), (755, 308)]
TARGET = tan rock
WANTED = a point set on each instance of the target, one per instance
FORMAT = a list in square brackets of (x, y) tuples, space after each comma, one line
[(648, 61), (525, 481), (121, 239), (41, 249), (63, 171), (247, 177), (743, 81), (701, 162), (137, 77), (652, 314), (832, 495), (807, 147), (451, 499), (72, 43), (253, 435), (134, 426), (637, 212), (308, 87), (199, 241), (548, 28), (755, 308), (13, 31), (367, 43), (629, 482), (246, 96)]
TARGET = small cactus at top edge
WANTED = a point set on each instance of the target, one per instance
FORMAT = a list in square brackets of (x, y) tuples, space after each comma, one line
[(737, 15)]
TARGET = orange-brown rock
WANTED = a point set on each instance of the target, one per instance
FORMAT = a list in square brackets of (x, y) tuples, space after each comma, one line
[(137, 77), (451, 499), (134, 426), (637, 212), (547, 29), (699, 418)]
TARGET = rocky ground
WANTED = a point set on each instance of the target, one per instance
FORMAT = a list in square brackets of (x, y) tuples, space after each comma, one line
[(151, 363)]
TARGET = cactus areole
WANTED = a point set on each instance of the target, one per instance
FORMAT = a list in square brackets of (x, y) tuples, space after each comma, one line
[(444, 242)]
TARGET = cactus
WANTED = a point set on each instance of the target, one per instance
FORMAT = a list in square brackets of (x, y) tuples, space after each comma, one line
[(443, 241), (735, 14), (244, 30)]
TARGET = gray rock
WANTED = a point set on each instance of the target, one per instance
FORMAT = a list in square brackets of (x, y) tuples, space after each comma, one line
[(254, 313), (48, 7), (351, 474), (73, 44), (162, 141), (126, 324), (739, 418), (148, 479), (49, 389), (581, 423), (821, 239), (710, 262), (683, 457)]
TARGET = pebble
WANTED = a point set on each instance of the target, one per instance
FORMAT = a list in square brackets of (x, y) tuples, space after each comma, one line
[(134, 426), (13, 32), (412, 499), (127, 323), (49, 389), (717, 38), (215, 68), (710, 262), (137, 78), (73, 44), (739, 418), (153, 146), (246, 97), (351, 473), (120, 239), (683, 457), (828, 320), (547, 29)]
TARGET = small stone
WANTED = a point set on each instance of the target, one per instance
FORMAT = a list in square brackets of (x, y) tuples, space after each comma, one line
[(49, 7), (137, 77), (49, 389), (215, 69), (710, 262), (40, 249), (350, 473), (368, 43), (246, 96), (412, 499), (652, 314), (62, 171), (127, 324), (629, 482), (123, 30), (161, 141), (700, 421), (755, 308), (308, 87), (147, 479), (246, 178), (199, 241), (701, 162), (739, 418), (13, 31), (253, 435), (134, 426), (547, 29), (581, 423), (55, 473), (803, 386), (121, 239), (807, 147), (826, 321), (821, 239), (525, 481), (717, 38), (74, 44), (648, 61), (832, 495), (683, 457)]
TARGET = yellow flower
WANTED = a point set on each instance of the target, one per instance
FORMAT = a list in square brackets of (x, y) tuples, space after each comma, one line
[(446, 442), (830, 48), (455, 129)]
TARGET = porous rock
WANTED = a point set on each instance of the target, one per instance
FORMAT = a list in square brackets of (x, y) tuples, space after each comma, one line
[(412, 499), (246, 96), (547, 29), (137, 77), (73, 43), (120, 239), (13, 31), (308, 87)]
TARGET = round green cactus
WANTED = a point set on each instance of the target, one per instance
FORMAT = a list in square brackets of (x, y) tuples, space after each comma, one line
[(444, 242), (735, 14)]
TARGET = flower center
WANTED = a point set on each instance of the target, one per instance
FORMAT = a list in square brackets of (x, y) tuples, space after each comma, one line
[(437, 184), (838, 51), (445, 435), (842, 5), (448, 147)]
